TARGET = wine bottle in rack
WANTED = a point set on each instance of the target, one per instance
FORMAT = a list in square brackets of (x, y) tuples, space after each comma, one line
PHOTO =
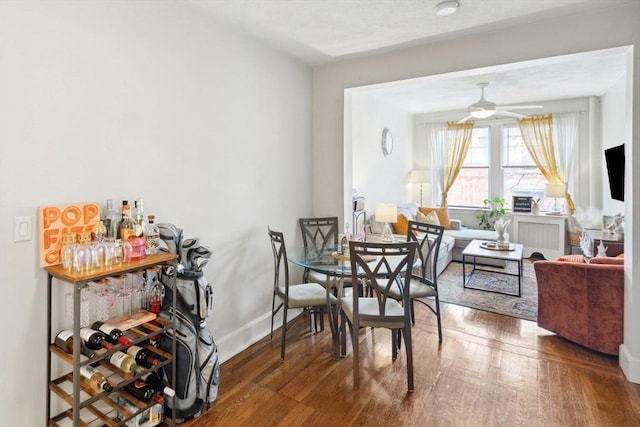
[(95, 340), (142, 356), (64, 340), (95, 378), (112, 334), (158, 385), (125, 363), (142, 391)]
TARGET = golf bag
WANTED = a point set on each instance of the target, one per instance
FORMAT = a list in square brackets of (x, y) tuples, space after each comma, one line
[(196, 358)]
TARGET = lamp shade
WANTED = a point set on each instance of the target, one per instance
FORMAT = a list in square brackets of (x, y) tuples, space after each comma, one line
[(418, 177), (386, 212), (554, 190)]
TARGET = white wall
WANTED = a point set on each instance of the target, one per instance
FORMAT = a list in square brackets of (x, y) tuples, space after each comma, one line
[(384, 179), (588, 31), (137, 99), (614, 132)]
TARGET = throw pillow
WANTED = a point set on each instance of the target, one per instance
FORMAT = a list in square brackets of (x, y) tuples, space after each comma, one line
[(430, 218), (571, 258), (443, 215), (607, 260), (401, 226)]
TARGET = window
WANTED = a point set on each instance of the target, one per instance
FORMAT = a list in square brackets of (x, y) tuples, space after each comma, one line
[(497, 164), (472, 184), (520, 175)]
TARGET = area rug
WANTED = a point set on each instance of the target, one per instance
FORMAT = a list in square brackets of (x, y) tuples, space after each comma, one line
[(523, 307)]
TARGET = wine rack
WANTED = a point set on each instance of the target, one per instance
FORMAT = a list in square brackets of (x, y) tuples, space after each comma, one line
[(70, 387)]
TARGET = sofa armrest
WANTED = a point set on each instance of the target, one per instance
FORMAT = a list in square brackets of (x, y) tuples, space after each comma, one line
[(456, 224)]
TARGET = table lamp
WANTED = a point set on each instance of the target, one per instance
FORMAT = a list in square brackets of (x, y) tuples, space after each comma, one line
[(418, 177), (387, 213), (556, 191)]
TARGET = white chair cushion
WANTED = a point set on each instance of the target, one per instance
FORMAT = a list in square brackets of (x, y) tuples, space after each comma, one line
[(417, 289), (369, 307), (308, 295)]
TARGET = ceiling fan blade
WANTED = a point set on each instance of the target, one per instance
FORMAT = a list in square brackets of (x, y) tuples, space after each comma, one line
[(510, 114), (518, 107)]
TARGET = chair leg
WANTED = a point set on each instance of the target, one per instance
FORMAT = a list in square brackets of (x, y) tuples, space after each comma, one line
[(284, 331), (356, 356), (395, 343), (413, 314), (437, 302), (409, 347)]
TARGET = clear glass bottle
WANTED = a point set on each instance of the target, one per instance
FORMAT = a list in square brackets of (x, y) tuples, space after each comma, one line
[(139, 217), (152, 236), (128, 225), (111, 220)]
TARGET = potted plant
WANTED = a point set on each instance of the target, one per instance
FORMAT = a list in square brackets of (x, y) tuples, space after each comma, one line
[(493, 209)]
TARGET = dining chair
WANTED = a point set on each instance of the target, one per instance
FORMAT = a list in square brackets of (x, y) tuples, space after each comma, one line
[(319, 235), (423, 286), (384, 266), (306, 296)]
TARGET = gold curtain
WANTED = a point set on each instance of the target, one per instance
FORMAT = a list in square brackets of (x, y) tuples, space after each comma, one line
[(458, 141), (537, 136)]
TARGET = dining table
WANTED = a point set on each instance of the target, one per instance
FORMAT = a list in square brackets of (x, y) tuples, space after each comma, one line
[(337, 266)]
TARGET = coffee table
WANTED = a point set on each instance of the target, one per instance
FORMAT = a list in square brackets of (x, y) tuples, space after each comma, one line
[(488, 249)]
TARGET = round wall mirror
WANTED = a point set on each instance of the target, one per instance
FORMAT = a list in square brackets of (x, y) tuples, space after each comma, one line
[(387, 142)]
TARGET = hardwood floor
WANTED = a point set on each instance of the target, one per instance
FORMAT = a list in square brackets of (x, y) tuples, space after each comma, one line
[(490, 370)]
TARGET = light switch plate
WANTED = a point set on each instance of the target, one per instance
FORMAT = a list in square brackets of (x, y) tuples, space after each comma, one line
[(23, 228)]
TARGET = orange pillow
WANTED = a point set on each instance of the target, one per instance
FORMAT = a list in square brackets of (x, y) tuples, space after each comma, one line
[(401, 226), (571, 258), (443, 215), (607, 260)]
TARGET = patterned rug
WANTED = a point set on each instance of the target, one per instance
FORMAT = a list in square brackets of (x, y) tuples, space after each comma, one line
[(524, 307)]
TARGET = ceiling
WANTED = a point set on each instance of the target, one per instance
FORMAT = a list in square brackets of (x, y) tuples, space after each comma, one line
[(324, 31)]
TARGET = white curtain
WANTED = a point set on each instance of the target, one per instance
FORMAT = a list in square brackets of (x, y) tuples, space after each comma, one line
[(437, 144), (565, 136)]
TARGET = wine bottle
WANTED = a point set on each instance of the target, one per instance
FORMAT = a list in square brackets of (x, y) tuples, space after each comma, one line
[(112, 334), (127, 225), (96, 379), (94, 339), (140, 389), (158, 385), (142, 356), (125, 363), (64, 340)]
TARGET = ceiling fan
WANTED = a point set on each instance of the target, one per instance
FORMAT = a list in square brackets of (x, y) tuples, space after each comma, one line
[(484, 109)]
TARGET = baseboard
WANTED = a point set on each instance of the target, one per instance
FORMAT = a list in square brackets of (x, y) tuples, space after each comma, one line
[(249, 334), (630, 365)]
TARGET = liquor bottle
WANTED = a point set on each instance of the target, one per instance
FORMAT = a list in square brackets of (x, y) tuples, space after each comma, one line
[(139, 217), (125, 363), (94, 339), (112, 334), (111, 220), (127, 225), (64, 340), (142, 356), (96, 379), (158, 385), (156, 296), (99, 232), (151, 236)]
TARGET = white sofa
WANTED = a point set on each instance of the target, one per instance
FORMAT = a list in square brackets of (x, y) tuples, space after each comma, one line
[(454, 240)]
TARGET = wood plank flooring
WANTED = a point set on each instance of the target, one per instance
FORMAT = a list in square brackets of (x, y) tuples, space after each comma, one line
[(490, 370)]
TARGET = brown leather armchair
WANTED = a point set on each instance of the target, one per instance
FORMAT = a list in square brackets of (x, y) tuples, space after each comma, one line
[(583, 302)]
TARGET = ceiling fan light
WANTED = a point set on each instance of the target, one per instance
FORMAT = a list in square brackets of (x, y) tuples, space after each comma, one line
[(481, 113), (447, 7)]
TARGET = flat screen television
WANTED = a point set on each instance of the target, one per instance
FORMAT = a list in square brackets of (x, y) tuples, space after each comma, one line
[(614, 157)]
